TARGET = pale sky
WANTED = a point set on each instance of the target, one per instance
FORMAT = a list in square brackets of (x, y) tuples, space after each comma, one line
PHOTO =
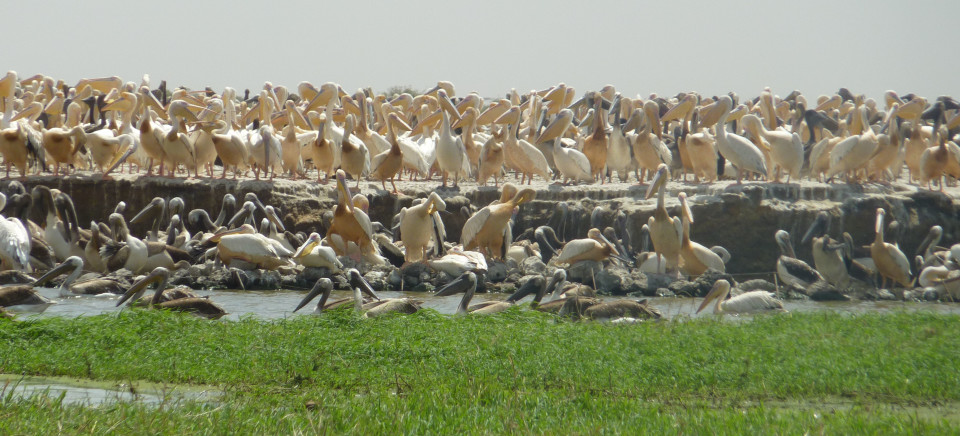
[(491, 46)]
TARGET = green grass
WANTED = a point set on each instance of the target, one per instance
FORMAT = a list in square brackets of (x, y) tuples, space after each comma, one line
[(517, 372)]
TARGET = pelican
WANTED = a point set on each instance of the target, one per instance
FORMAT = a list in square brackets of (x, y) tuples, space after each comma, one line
[(379, 307), (245, 244), (419, 225), (14, 242), (520, 153), (791, 270), (450, 150), (467, 283), (266, 152), (891, 263), (786, 149), (485, 229), (322, 287), (572, 164), (312, 254), (23, 298), (321, 151), (177, 147), (594, 247), (737, 149), (622, 310), (595, 146), (747, 302), (697, 259), (389, 163), (353, 157), (151, 138), (61, 145), (201, 307), (89, 287), (827, 254), (130, 252), (490, 163), (350, 224), (934, 160), (854, 152), (648, 150), (457, 262), (665, 232)]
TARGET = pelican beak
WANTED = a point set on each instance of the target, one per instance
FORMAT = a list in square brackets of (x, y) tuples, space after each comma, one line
[(239, 230), (317, 289), (152, 210), (120, 104), (658, 179), (447, 105), (272, 216), (460, 284), (59, 269), (712, 295), (509, 117), (306, 249), (344, 191), (686, 208), (138, 288), (613, 248), (878, 227), (814, 230)]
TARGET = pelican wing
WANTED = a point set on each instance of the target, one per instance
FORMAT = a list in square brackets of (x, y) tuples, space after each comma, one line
[(576, 248), (753, 301), (412, 156), (899, 258), (473, 225), (707, 257), (364, 220)]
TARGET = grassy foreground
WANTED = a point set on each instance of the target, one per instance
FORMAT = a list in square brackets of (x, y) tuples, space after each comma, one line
[(517, 372)]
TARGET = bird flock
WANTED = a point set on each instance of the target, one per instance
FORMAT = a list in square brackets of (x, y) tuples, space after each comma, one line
[(105, 123), (101, 124)]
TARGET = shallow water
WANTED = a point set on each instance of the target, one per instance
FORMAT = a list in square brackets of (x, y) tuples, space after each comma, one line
[(280, 304), (93, 393)]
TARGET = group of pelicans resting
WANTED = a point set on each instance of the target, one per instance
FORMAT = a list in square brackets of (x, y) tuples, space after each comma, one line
[(40, 231), (103, 123)]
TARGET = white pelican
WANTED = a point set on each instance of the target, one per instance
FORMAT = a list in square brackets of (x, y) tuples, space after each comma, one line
[(389, 163), (735, 148), (891, 263), (457, 261), (520, 153), (594, 247), (665, 232), (572, 164), (313, 254), (151, 137), (350, 223), (265, 152), (747, 302), (648, 150), (853, 153), (177, 147), (14, 242), (245, 244), (827, 253), (421, 224), (450, 150), (595, 146), (786, 149), (697, 259), (485, 229)]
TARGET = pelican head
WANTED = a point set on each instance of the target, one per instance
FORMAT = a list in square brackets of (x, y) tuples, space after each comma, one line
[(553, 286), (659, 180), (820, 227), (878, 228), (344, 190), (719, 291), (524, 196), (72, 263), (465, 283), (535, 285), (152, 210), (783, 240), (323, 286), (158, 275), (312, 241), (685, 207), (358, 282)]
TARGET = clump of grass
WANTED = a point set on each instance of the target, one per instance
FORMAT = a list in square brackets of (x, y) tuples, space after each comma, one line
[(519, 371)]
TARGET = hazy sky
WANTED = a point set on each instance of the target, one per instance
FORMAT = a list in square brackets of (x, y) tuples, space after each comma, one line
[(491, 46)]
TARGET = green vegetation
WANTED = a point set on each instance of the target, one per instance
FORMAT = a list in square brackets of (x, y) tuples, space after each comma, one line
[(516, 372), (394, 91)]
